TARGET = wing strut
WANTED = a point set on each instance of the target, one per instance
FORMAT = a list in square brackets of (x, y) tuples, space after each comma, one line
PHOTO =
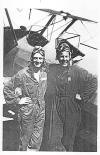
[(89, 46), (68, 26), (50, 20), (9, 20)]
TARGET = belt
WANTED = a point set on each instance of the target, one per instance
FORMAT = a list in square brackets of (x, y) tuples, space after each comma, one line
[(66, 96)]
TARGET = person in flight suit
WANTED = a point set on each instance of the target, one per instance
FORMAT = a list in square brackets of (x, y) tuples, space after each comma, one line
[(27, 88), (70, 86)]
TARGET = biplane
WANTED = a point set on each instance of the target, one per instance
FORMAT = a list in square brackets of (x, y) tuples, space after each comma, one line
[(42, 37)]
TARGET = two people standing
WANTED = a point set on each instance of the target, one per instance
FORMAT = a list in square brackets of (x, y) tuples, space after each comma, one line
[(67, 85)]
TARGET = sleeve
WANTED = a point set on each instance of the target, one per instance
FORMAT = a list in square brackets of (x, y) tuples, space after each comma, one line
[(87, 85), (9, 89)]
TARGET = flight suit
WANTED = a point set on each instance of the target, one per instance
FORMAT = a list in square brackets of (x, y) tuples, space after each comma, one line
[(66, 83), (31, 116)]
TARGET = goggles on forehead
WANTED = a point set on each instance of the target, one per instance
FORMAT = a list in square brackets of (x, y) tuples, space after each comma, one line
[(38, 49), (63, 47)]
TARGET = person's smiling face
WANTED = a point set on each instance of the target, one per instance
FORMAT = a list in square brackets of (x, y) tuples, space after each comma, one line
[(37, 60), (64, 58)]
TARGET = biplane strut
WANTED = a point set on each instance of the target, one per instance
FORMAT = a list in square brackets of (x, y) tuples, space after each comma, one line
[(65, 16)]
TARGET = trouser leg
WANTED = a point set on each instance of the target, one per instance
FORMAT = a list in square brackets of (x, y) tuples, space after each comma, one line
[(37, 134), (69, 132), (26, 119), (46, 129), (70, 117), (25, 134)]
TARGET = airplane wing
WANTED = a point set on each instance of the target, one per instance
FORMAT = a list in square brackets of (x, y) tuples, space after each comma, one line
[(77, 17), (51, 11), (68, 15)]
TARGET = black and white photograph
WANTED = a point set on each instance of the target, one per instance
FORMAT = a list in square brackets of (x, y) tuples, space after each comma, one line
[(50, 76)]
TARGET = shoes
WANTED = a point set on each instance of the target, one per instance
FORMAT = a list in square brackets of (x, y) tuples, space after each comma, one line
[(29, 148), (68, 147)]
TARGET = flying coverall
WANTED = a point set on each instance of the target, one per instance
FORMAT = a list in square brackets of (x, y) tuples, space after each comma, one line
[(66, 83), (31, 116)]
